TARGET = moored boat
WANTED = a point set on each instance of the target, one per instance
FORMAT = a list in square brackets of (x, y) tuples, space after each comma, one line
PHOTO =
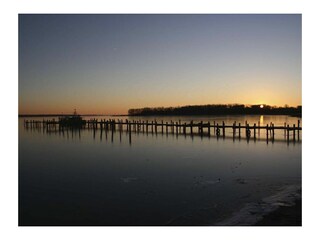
[(74, 120)]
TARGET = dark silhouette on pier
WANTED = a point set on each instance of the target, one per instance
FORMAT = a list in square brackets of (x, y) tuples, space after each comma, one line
[(74, 120), (217, 109)]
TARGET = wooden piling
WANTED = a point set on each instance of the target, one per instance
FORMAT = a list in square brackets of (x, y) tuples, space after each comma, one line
[(288, 133), (177, 128), (223, 130), (233, 130), (152, 127), (298, 130), (138, 126), (191, 128), (294, 132), (130, 132), (239, 131), (162, 126), (254, 131), (267, 132), (217, 130), (272, 132), (147, 126), (112, 130)]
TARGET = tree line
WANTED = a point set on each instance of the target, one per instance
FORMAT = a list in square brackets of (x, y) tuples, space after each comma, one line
[(217, 109)]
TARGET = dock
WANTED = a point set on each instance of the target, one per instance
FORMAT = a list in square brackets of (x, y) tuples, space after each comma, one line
[(203, 129)]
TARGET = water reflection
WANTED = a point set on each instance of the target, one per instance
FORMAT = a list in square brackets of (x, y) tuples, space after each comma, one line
[(261, 120), (95, 177)]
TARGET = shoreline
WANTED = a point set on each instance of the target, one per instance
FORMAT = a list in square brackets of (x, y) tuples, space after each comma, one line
[(284, 216), (281, 209)]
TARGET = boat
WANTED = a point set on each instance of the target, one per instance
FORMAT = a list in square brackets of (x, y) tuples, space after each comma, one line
[(74, 120)]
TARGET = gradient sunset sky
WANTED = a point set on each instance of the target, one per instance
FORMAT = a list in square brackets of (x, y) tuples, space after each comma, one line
[(106, 64)]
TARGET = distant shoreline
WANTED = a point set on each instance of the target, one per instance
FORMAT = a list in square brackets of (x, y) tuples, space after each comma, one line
[(154, 115), (62, 115), (217, 109)]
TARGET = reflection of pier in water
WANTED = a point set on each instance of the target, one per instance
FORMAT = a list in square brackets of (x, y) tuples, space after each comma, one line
[(219, 130)]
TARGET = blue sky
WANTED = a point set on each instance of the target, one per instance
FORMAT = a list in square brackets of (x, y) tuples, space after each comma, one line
[(110, 63)]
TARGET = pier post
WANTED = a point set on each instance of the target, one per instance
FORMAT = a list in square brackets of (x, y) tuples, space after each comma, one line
[(155, 127), (294, 132), (162, 126), (254, 131), (217, 130), (152, 127), (267, 132), (179, 126), (248, 132), (288, 133), (112, 130), (143, 126), (191, 128), (209, 128), (259, 128), (272, 132), (239, 131), (172, 127), (129, 132), (223, 130), (184, 129), (167, 128), (147, 126), (214, 127), (233, 130), (137, 124), (298, 130)]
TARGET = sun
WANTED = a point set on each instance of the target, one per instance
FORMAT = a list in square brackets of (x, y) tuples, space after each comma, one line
[(261, 106)]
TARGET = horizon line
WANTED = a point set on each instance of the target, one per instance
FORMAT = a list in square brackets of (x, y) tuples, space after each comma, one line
[(127, 114)]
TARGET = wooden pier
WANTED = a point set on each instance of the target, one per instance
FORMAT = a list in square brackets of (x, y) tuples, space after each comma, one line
[(215, 129)]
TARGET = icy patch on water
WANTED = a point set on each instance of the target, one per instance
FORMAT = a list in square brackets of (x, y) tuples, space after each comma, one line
[(205, 182), (251, 213), (128, 179)]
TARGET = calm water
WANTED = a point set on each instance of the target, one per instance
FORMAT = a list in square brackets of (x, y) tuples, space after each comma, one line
[(85, 178)]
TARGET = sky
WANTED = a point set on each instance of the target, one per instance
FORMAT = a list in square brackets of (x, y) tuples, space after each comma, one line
[(106, 64)]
